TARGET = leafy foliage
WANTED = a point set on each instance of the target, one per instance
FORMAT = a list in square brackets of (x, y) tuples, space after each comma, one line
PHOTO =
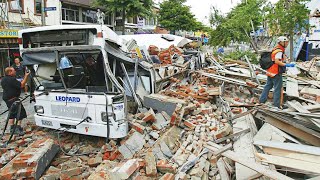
[(130, 8), (141, 8), (174, 15), (237, 55), (286, 17), (237, 25)]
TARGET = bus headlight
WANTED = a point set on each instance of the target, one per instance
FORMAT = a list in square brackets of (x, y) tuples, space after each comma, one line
[(39, 109), (104, 117)]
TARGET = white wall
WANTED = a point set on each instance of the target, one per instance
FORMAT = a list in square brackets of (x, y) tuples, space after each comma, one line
[(52, 18)]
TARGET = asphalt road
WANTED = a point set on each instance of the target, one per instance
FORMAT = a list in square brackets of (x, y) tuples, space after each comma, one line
[(27, 105)]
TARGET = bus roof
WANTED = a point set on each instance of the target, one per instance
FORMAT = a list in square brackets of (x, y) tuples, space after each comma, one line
[(107, 33)]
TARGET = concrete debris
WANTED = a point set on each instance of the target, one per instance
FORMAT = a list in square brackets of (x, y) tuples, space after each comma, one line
[(31, 162), (209, 125)]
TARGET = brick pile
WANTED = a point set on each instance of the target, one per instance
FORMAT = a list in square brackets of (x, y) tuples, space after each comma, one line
[(31, 162)]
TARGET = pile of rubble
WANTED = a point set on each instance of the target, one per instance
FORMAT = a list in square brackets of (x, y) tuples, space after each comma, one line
[(207, 126)]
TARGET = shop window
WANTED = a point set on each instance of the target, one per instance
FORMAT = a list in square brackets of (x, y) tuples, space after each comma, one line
[(16, 6), (70, 13), (89, 16)]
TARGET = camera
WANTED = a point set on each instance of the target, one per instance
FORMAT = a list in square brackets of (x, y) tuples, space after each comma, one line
[(27, 70)]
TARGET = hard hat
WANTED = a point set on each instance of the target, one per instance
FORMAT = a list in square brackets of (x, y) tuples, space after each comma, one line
[(282, 39), (65, 63)]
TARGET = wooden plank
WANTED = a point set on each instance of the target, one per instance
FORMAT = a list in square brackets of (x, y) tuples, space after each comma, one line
[(222, 170), (233, 135), (252, 165), (297, 107), (267, 133), (310, 91), (297, 130), (270, 133), (291, 163), (242, 114), (225, 148), (292, 87), (301, 109), (290, 147), (244, 147), (292, 155), (312, 107)]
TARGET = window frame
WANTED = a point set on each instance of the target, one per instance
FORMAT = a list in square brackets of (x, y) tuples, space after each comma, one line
[(14, 10), (35, 12), (66, 8)]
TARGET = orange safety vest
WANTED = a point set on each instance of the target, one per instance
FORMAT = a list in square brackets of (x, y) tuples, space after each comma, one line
[(274, 69)]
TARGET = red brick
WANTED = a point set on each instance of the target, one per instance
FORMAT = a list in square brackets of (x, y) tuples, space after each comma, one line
[(149, 116), (138, 127), (224, 131), (189, 124), (140, 116), (173, 120), (167, 176), (111, 155), (252, 84), (125, 170), (71, 172), (25, 165), (95, 161), (236, 110), (164, 167)]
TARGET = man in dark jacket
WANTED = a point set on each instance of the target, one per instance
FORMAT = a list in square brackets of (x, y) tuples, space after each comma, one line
[(20, 69), (11, 93)]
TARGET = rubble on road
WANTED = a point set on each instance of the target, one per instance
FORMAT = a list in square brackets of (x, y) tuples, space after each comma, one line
[(207, 126)]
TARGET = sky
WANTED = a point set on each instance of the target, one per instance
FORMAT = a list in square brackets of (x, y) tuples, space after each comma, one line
[(201, 8)]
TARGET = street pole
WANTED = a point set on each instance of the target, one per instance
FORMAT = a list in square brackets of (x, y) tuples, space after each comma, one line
[(43, 16)]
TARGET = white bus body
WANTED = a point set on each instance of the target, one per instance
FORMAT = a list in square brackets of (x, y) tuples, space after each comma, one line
[(67, 97)]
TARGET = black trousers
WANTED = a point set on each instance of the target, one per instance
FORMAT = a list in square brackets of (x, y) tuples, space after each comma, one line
[(14, 111)]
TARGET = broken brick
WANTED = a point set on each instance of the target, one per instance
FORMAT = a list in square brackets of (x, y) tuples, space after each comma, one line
[(151, 169), (224, 131), (167, 176), (137, 127), (189, 124), (125, 170), (236, 110), (149, 116), (38, 155), (95, 161)]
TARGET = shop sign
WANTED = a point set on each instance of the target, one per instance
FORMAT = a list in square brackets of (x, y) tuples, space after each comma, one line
[(8, 33)]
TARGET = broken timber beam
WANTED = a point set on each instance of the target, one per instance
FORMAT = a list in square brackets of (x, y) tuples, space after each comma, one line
[(252, 165), (296, 130), (232, 135)]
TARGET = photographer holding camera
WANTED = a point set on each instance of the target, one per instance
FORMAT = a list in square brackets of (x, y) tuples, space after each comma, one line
[(11, 93)]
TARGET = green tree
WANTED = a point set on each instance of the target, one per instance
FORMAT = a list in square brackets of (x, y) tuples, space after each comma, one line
[(129, 8), (174, 15), (288, 17), (238, 23)]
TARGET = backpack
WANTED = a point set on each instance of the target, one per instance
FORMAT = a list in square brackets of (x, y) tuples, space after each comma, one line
[(265, 59)]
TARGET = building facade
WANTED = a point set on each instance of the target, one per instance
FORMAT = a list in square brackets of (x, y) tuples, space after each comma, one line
[(21, 14)]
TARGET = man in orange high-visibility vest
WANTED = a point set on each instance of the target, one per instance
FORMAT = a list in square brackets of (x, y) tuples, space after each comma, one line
[(274, 73)]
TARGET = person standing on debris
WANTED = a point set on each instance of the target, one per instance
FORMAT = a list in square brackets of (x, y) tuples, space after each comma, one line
[(20, 72), (11, 93), (274, 73)]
